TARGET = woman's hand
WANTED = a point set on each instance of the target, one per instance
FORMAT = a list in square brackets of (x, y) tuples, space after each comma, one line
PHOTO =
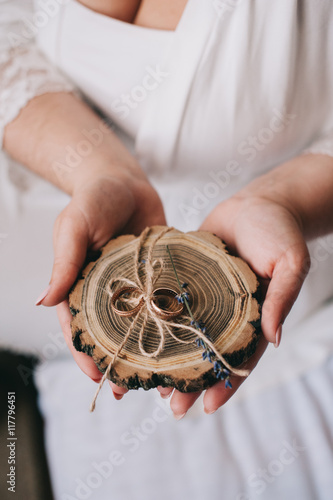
[(110, 193), (266, 224), (267, 234), (101, 208)]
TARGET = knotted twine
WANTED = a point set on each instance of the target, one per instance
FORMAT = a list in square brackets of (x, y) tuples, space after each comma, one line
[(164, 327)]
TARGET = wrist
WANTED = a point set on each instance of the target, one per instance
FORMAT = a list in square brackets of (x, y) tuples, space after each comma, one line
[(106, 182), (275, 190), (98, 170), (63, 140)]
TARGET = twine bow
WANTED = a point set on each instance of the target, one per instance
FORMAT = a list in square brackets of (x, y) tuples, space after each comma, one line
[(153, 271)]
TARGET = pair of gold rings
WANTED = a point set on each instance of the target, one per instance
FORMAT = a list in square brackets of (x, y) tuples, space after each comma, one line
[(163, 302)]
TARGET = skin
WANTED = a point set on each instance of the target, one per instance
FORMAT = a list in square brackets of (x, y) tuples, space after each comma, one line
[(267, 223), (157, 14), (118, 9), (267, 228)]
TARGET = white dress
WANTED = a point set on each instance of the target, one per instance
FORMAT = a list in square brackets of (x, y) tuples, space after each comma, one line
[(238, 88)]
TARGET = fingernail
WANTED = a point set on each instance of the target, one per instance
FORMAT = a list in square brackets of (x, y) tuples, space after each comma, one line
[(209, 412), (42, 296), (118, 397), (179, 417), (278, 336)]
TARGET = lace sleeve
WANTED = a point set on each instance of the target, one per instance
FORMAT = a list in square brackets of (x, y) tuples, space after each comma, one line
[(24, 71)]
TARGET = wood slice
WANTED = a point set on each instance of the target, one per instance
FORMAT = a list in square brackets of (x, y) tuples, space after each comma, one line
[(223, 293)]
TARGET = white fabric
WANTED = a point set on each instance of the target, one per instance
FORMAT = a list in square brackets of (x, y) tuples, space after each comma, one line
[(24, 72), (115, 65), (211, 80), (223, 86), (213, 457)]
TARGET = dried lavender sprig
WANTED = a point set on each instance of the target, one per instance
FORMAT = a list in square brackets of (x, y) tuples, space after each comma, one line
[(179, 284)]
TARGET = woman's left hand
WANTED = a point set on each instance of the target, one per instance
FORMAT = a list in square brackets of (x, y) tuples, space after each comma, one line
[(266, 224), (267, 234)]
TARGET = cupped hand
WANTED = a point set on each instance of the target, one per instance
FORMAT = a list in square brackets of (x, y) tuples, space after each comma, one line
[(101, 207), (265, 233), (268, 235)]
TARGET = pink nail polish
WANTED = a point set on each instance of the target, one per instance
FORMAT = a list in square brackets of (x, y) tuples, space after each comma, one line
[(42, 296), (278, 336)]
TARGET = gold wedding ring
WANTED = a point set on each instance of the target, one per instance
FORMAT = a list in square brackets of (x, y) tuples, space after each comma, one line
[(120, 293), (165, 303)]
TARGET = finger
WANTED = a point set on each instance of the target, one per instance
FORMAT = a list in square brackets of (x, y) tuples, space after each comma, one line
[(181, 402), (218, 395), (165, 392), (287, 279), (70, 248), (118, 392), (84, 361)]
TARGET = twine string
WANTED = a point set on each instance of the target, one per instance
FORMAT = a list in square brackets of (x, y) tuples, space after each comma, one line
[(153, 271)]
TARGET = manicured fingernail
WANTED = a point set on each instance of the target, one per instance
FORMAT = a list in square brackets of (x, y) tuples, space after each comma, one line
[(42, 296), (278, 336), (209, 412), (178, 417), (118, 397)]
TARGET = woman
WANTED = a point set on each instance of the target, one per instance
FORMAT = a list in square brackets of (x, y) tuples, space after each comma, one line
[(225, 107)]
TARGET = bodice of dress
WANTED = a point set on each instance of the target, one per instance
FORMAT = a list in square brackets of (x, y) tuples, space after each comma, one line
[(113, 63), (237, 82)]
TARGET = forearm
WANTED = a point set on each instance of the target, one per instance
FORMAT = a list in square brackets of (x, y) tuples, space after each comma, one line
[(304, 185), (60, 138)]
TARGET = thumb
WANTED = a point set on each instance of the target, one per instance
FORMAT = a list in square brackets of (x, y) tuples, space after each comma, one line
[(288, 276), (70, 241)]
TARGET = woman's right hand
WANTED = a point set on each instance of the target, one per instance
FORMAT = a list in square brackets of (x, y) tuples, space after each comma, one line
[(110, 194), (100, 209), (111, 204)]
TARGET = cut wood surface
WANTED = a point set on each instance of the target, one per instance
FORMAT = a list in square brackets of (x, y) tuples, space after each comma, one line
[(223, 294)]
